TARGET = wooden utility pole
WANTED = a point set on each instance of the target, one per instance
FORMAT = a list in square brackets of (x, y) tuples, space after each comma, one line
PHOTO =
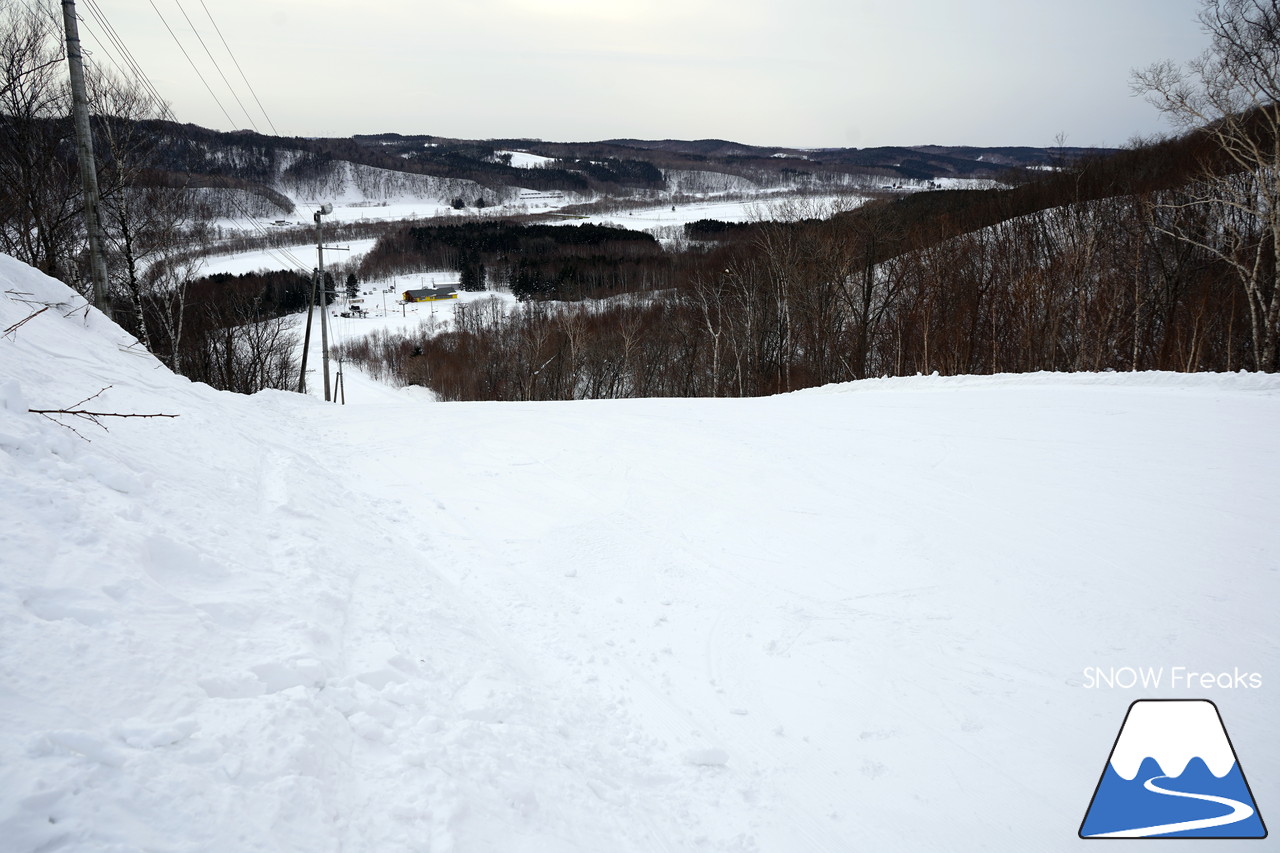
[(88, 169), (324, 301), (306, 341)]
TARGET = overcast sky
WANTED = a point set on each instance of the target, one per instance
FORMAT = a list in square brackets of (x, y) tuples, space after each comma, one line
[(799, 73)]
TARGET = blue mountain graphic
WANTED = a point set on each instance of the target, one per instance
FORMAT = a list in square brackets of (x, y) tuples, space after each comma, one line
[(1121, 805)]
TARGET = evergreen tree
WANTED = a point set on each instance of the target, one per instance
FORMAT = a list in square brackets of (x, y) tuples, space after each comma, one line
[(472, 271)]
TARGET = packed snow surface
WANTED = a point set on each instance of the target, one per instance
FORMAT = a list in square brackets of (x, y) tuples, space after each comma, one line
[(854, 618)]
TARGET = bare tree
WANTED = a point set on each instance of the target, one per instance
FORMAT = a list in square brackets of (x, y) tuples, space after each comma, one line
[(23, 46), (236, 346), (151, 217), (167, 305), (40, 201), (708, 294), (1232, 95)]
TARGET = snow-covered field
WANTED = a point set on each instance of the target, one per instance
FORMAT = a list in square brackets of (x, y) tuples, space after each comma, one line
[(276, 259), (657, 219), (859, 617), (393, 211), (526, 160), (765, 207)]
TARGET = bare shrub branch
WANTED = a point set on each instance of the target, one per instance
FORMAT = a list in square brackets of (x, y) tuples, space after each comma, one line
[(91, 417)]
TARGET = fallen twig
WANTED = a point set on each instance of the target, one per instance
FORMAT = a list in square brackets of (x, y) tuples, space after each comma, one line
[(14, 328), (80, 413), (92, 417)]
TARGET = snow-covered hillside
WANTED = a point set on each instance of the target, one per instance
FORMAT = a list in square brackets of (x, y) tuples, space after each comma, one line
[(858, 617), (362, 192), (346, 184), (712, 182)]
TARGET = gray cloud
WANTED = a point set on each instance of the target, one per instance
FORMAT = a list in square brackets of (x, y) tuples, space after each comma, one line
[(802, 73)]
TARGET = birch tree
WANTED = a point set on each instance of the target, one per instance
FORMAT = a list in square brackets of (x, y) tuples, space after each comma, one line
[(1231, 93)]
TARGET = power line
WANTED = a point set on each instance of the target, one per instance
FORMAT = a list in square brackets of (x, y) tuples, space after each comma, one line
[(102, 48), (245, 221), (141, 77), (134, 69), (127, 55), (216, 66), (218, 30), (230, 121)]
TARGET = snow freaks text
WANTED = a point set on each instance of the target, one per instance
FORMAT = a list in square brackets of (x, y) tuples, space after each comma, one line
[(1172, 678)]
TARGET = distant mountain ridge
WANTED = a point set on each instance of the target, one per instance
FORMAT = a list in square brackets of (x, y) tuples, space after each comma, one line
[(444, 168), (912, 161)]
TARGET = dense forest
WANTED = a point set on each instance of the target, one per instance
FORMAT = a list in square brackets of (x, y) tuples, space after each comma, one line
[(530, 261)]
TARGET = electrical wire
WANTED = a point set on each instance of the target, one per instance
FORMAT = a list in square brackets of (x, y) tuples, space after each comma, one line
[(216, 66), (218, 30), (230, 121), (129, 59), (122, 65), (246, 221), (250, 222)]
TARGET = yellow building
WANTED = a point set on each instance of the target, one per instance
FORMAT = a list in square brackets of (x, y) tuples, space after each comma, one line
[(430, 294)]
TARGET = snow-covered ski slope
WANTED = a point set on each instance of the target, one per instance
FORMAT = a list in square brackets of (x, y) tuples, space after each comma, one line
[(851, 618)]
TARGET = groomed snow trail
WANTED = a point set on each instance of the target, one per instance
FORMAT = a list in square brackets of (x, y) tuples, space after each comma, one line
[(847, 613)]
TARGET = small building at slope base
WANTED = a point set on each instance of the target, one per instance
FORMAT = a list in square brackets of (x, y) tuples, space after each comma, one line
[(431, 294)]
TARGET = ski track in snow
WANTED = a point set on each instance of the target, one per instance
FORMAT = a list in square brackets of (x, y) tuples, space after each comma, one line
[(851, 617)]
